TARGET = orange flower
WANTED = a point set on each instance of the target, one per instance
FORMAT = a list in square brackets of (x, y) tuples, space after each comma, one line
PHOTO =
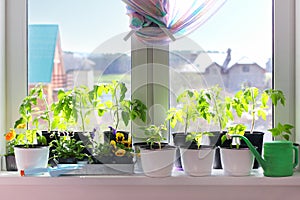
[(10, 135), (120, 152), (21, 126)]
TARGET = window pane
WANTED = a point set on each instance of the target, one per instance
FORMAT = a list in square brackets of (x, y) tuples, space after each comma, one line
[(73, 43), (233, 49)]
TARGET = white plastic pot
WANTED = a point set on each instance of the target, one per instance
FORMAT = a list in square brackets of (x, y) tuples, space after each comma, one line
[(237, 162), (29, 158), (197, 162), (158, 163)]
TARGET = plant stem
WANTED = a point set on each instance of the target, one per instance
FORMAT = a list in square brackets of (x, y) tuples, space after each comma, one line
[(252, 112), (117, 108), (47, 113), (81, 115), (186, 121), (217, 111)]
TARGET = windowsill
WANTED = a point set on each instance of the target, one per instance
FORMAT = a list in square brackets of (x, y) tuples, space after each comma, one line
[(179, 186), (177, 179)]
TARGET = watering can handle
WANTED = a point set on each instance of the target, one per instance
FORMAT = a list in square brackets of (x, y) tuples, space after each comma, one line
[(296, 156)]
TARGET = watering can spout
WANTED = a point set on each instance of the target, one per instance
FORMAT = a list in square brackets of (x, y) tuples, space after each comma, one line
[(256, 154)]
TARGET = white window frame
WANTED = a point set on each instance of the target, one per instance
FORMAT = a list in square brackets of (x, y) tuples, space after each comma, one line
[(15, 68), (2, 72)]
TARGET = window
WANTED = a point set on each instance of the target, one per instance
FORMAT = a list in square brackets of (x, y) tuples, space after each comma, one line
[(224, 52), (246, 68), (67, 49), (16, 48)]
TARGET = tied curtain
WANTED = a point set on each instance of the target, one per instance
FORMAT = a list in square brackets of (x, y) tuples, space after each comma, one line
[(162, 21)]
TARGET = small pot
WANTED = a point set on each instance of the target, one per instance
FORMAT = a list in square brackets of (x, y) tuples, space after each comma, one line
[(158, 162), (179, 139), (36, 156), (197, 162), (256, 138), (237, 162)]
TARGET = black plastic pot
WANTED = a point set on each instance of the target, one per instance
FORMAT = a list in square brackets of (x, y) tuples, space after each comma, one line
[(256, 138), (179, 139), (156, 146), (10, 161)]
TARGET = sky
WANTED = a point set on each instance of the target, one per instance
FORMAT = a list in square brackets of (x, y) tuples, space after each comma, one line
[(245, 26)]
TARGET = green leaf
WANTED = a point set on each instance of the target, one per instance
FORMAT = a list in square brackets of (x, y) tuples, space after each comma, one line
[(123, 90), (261, 113), (223, 139), (264, 99), (283, 130), (173, 122), (190, 93), (286, 137), (125, 117), (21, 120)]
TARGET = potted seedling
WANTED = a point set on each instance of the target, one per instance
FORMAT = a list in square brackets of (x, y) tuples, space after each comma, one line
[(157, 158), (197, 159), (29, 145), (236, 159), (221, 115), (192, 105), (255, 103)]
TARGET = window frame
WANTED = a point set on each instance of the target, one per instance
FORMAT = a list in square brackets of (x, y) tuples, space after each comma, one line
[(284, 30)]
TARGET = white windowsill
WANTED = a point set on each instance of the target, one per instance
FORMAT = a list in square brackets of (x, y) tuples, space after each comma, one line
[(178, 186), (178, 178)]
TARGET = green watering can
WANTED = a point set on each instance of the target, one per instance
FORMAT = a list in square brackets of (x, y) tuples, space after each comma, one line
[(279, 159)]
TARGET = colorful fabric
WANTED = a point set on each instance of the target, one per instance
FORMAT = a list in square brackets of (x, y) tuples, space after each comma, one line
[(161, 21)]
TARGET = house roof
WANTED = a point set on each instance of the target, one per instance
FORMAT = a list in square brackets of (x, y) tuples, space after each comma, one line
[(206, 59), (41, 51)]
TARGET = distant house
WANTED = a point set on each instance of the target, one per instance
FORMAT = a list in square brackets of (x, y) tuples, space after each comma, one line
[(45, 58), (214, 75), (233, 77), (79, 70), (245, 73)]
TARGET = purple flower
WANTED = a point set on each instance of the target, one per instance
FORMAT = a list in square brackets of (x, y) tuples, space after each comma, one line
[(114, 131), (92, 134)]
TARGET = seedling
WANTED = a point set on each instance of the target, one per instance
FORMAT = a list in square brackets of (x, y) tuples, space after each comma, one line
[(282, 130)]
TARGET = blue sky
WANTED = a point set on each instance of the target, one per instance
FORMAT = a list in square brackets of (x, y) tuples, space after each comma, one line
[(244, 26)]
